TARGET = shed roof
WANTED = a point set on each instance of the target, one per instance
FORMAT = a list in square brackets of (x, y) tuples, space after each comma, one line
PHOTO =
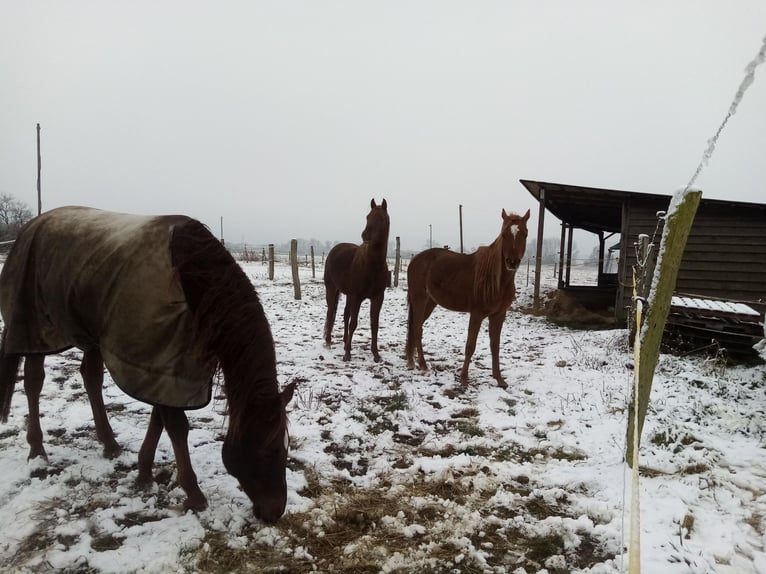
[(596, 209)]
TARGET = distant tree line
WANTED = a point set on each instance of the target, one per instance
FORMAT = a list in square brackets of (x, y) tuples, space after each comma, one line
[(13, 215)]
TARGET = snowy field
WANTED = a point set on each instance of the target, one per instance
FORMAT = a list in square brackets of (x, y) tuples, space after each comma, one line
[(397, 471)]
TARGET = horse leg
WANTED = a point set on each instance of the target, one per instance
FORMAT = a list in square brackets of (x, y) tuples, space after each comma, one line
[(474, 323), (34, 375), (149, 447), (346, 315), (351, 319), (415, 319), (331, 294), (177, 427), (495, 327), (409, 346), (376, 303), (9, 369), (92, 371), (429, 308)]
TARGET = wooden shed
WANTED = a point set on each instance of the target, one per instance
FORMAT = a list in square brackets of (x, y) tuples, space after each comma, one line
[(724, 259)]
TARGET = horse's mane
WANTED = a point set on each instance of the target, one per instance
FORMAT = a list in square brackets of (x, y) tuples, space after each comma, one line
[(231, 329), (488, 270)]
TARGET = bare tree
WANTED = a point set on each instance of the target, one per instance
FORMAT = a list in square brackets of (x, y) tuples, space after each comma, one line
[(550, 252), (13, 215)]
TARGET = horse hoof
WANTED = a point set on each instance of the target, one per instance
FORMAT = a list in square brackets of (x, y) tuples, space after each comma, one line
[(376, 358), (195, 506), (144, 482), (35, 452), (347, 357), (112, 452)]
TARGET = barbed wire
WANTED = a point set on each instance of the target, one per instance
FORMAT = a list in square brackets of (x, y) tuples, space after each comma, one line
[(749, 77)]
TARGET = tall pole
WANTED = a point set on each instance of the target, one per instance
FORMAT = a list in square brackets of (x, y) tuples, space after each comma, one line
[(39, 169), (461, 228), (430, 236), (222, 241)]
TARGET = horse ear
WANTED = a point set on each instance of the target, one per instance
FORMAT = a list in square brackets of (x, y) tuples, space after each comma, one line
[(505, 215), (287, 394), (384, 205), (526, 216), (372, 203)]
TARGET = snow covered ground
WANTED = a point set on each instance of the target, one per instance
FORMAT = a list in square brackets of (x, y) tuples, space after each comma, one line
[(392, 470)]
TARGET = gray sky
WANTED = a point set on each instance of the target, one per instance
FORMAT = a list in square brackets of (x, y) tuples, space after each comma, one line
[(285, 118)]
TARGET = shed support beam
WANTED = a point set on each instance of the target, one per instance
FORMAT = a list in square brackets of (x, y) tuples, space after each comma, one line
[(539, 251)]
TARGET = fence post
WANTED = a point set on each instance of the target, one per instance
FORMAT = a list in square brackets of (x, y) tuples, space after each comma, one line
[(397, 263), (313, 267), (271, 261), (529, 259), (678, 223), (294, 265)]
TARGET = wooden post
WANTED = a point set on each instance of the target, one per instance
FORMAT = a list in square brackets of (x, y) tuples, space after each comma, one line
[(397, 263), (294, 265), (461, 228), (313, 266), (562, 248), (528, 261), (678, 223), (539, 250), (39, 171), (567, 279), (271, 261)]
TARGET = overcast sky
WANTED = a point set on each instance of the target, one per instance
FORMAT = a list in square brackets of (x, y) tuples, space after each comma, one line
[(286, 118)]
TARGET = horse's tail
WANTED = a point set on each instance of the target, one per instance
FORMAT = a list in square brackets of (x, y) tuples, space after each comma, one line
[(9, 367)]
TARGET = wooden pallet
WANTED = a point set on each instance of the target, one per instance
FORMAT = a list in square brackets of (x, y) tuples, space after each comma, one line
[(704, 322)]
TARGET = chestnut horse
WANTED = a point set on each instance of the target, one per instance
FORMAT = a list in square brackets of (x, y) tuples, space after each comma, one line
[(360, 272), (481, 284), (161, 303)]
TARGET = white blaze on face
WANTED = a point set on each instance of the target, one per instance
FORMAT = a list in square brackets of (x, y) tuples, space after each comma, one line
[(514, 229)]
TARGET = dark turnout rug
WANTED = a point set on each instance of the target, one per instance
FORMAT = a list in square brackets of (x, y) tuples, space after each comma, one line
[(83, 277)]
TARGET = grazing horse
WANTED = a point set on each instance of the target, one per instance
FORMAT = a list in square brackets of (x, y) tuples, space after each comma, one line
[(360, 272), (481, 284), (161, 303)]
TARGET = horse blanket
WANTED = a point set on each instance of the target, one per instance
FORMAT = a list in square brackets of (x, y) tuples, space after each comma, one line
[(84, 277)]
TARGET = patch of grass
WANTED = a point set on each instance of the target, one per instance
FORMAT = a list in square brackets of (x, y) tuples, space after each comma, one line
[(8, 433), (470, 428), (379, 421), (354, 529), (673, 440), (687, 526), (756, 520), (313, 488), (511, 405), (135, 518), (696, 468), (104, 542), (467, 413), (397, 402)]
